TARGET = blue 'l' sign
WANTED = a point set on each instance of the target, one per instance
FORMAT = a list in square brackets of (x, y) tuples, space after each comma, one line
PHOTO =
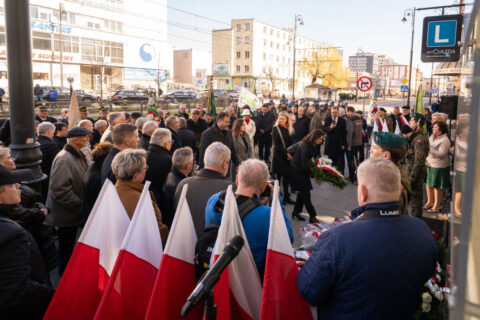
[(442, 33)]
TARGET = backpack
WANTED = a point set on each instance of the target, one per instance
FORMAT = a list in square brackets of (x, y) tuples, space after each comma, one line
[(206, 242), (293, 148)]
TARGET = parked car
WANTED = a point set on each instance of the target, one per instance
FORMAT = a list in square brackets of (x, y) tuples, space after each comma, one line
[(180, 96), (129, 95), (232, 94), (221, 94), (64, 95)]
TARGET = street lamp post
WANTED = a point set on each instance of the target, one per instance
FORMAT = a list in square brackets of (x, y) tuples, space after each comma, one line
[(298, 18), (19, 52), (407, 13)]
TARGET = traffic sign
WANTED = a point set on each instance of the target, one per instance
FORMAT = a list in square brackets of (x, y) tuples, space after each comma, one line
[(433, 91), (404, 80), (404, 88), (441, 35), (364, 83)]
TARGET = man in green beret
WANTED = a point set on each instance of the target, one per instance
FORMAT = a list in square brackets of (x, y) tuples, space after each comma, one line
[(392, 147), (84, 114), (417, 152)]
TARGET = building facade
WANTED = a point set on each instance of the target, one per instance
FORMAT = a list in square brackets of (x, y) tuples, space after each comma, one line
[(106, 44), (364, 62), (256, 55), (191, 67)]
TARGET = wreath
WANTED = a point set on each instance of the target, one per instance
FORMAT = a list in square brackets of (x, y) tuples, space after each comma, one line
[(323, 171)]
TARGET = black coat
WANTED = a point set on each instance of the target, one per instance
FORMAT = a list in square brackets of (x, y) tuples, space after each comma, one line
[(5, 133), (176, 141), (197, 127), (173, 179), (144, 142), (336, 137), (213, 134), (107, 166), (60, 141), (301, 127), (264, 122), (25, 288), (280, 162), (49, 119), (399, 119), (188, 138), (93, 185), (300, 177), (96, 137), (159, 161), (49, 150)]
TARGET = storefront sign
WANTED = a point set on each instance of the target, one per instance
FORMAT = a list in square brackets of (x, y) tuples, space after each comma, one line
[(42, 55), (50, 27), (220, 68), (441, 35)]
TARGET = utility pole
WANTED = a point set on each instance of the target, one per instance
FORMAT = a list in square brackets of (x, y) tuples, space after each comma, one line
[(412, 13), (62, 11), (298, 18), (19, 51), (53, 52)]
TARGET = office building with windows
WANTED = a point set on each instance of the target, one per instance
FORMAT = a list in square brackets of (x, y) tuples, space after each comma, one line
[(191, 67), (256, 55), (101, 44)]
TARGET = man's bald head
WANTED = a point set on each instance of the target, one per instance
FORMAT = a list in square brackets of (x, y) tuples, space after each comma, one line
[(378, 181)]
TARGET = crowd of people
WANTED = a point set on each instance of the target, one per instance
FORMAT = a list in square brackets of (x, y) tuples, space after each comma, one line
[(244, 148)]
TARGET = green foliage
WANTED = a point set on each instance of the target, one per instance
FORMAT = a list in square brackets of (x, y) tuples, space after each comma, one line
[(321, 176)]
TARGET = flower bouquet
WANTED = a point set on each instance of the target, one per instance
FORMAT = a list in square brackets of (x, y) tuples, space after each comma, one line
[(433, 302), (323, 171)]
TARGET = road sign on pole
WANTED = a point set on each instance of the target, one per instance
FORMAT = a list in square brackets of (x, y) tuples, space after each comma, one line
[(404, 88), (364, 83), (441, 35)]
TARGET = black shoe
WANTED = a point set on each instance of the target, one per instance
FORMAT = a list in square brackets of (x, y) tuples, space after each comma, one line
[(298, 217), (288, 201), (313, 220)]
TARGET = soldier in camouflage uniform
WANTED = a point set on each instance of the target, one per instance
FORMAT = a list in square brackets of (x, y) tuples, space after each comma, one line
[(417, 152), (392, 147)]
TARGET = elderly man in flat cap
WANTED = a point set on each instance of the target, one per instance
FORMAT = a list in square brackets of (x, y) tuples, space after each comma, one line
[(65, 192), (392, 147)]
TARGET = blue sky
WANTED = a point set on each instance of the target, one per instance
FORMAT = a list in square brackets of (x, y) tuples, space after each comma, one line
[(372, 25)]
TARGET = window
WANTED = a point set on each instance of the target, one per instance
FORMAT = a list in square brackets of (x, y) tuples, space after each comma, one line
[(283, 47), (247, 26), (278, 34), (239, 40), (239, 27), (238, 55), (33, 12), (264, 56), (271, 44), (264, 29), (265, 42), (278, 59), (238, 68), (271, 32), (278, 45), (247, 68), (247, 54), (41, 40), (247, 40)]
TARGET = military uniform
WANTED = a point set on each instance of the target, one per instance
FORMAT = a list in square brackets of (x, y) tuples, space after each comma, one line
[(388, 139), (417, 152)]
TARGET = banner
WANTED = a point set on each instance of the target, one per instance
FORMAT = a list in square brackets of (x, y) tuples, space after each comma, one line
[(248, 98)]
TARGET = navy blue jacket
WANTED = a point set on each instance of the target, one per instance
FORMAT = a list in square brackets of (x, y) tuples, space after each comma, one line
[(371, 268), (264, 122)]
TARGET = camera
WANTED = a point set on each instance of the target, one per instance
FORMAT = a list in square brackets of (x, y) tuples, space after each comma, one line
[(267, 192)]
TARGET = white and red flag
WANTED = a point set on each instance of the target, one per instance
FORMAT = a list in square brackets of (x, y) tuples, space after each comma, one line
[(176, 275), (238, 293), (87, 273), (281, 299), (130, 286)]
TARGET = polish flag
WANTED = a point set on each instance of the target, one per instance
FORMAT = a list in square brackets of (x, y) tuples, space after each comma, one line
[(176, 275), (238, 293), (87, 273), (280, 299), (130, 287)]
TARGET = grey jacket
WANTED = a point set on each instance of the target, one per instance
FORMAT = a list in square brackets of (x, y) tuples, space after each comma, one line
[(66, 188), (354, 131), (243, 152)]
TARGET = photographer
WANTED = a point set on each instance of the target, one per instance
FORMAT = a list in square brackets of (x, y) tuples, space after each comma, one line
[(251, 181)]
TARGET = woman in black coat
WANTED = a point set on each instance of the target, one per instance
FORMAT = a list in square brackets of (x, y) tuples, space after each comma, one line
[(300, 177), (282, 139), (93, 183)]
